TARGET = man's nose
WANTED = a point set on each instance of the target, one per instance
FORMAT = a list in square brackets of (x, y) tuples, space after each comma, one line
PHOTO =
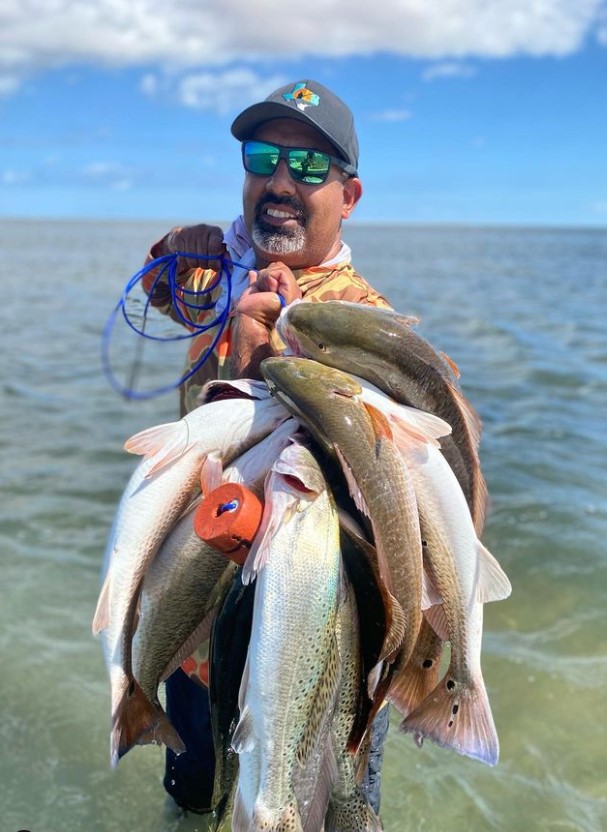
[(280, 182)]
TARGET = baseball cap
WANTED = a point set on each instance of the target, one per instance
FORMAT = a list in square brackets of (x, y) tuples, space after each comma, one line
[(312, 103)]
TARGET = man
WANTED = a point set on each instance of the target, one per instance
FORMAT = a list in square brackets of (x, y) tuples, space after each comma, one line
[(300, 154)]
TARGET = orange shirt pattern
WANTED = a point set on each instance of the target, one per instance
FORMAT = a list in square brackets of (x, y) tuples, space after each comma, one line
[(317, 284)]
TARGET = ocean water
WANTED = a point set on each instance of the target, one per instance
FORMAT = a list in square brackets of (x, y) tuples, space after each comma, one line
[(522, 313)]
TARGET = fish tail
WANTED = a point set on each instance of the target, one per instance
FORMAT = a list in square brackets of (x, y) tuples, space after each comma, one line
[(411, 684), (355, 815), (138, 722), (283, 820), (457, 716)]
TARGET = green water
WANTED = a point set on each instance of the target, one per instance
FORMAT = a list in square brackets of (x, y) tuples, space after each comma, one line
[(522, 312)]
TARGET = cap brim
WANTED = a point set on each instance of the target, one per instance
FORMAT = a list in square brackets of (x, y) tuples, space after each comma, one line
[(249, 120)]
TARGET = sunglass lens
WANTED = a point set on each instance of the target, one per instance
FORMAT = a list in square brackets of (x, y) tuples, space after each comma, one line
[(309, 166), (260, 158)]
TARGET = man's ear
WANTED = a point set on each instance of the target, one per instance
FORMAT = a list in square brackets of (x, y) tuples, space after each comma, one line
[(353, 190)]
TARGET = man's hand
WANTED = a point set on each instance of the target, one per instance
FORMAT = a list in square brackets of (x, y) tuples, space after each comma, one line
[(197, 239), (260, 301), (255, 316)]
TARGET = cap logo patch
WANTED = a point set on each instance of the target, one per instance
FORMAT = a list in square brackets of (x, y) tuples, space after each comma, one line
[(302, 97)]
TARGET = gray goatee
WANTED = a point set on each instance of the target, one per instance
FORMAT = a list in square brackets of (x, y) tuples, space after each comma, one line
[(279, 241)]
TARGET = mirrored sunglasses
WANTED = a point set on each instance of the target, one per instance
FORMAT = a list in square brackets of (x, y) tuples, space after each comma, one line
[(305, 165)]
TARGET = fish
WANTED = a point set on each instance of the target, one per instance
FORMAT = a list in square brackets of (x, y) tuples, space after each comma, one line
[(291, 679), (160, 489), (229, 644), (382, 625), (421, 674), (181, 591), (328, 402), (348, 809), (381, 346), (456, 713)]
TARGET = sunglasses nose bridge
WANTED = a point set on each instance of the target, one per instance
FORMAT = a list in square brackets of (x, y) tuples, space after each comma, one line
[(281, 180)]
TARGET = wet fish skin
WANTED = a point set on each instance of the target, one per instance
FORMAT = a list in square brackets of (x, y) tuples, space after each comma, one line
[(178, 597), (292, 675), (381, 346), (348, 810), (456, 713), (324, 399), (160, 489)]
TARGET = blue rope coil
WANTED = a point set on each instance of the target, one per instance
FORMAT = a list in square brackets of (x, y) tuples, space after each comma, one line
[(178, 297)]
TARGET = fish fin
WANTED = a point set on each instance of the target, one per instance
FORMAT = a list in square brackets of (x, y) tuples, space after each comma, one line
[(412, 683), (424, 427), (327, 777), (451, 363), (355, 492), (240, 817), (243, 738), (374, 678), (459, 718), (397, 623), (211, 473), (286, 819), (493, 583), (278, 508), (406, 320), (438, 621), (170, 437), (137, 721), (430, 594), (101, 619), (381, 425)]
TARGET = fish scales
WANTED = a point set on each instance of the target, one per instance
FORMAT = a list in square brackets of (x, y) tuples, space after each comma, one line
[(293, 671), (348, 810), (381, 346), (323, 398)]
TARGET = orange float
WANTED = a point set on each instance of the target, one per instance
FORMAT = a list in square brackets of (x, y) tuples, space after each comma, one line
[(228, 519)]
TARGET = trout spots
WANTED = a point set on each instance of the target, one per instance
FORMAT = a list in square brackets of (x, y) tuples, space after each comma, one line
[(450, 685), (131, 689), (427, 663)]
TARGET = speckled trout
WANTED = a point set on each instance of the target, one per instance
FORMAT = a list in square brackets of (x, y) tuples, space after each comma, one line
[(381, 346), (348, 810), (291, 680)]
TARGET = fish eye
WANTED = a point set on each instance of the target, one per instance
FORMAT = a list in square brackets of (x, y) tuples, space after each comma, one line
[(321, 347)]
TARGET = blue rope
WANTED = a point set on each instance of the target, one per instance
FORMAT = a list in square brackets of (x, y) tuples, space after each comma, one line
[(178, 295)]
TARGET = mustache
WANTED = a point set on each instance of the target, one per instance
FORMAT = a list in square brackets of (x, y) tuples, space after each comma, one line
[(287, 201)]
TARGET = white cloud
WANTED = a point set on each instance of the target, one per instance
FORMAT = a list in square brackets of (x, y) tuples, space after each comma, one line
[(393, 115), (9, 83), (107, 174), (220, 91), (448, 69), (15, 177), (38, 34)]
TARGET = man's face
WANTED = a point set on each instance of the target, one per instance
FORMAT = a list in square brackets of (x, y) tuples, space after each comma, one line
[(290, 221)]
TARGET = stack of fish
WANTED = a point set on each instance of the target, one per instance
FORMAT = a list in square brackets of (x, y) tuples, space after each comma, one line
[(367, 561)]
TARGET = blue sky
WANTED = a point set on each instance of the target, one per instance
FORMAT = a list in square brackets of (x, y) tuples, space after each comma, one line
[(467, 111)]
